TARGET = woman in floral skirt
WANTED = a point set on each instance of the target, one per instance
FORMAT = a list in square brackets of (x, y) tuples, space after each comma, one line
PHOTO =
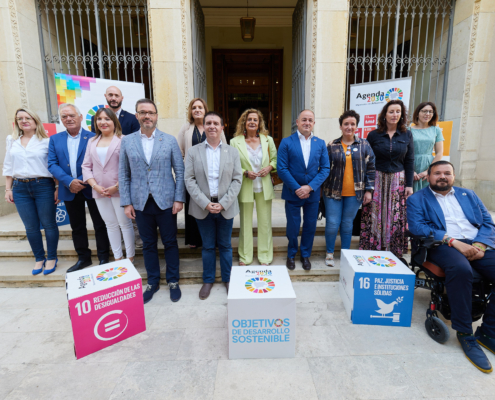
[(384, 220)]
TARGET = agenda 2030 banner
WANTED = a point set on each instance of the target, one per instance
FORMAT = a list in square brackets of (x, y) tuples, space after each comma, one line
[(368, 99), (88, 94)]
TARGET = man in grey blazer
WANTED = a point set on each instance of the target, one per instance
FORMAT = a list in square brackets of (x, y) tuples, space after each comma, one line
[(213, 179), (149, 193)]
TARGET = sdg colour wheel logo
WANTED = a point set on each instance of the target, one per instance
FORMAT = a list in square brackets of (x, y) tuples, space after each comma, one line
[(91, 113), (111, 274), (382, 261), (394, 94), (260, 285)]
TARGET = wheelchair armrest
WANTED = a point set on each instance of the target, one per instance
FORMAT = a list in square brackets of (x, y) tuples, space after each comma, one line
[(422, 241)]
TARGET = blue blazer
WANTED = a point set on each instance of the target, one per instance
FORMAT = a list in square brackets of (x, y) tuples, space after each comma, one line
[(425, 216), (128, 122), (59, 164), (292, 169), (137, 178)]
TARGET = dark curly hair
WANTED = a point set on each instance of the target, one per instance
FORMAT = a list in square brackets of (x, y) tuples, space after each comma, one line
[(382, 121), (349, 114)]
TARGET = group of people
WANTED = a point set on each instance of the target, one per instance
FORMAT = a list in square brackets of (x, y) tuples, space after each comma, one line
[(127, 172)]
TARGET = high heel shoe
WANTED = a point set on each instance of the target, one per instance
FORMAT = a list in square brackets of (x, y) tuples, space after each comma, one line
[(49, 271), (38, 271)]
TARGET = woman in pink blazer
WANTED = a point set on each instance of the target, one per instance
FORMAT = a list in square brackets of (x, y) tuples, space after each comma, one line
[(101, 171)]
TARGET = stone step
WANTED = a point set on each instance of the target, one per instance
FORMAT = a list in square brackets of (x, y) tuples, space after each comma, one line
[(20, 249), (15, 273)]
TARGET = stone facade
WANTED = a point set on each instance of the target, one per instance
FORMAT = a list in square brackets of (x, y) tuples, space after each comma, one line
[(470, 94)]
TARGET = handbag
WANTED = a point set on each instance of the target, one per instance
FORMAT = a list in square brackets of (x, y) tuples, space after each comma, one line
[(275, 178)]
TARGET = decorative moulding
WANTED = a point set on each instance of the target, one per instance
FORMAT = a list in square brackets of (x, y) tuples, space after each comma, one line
[(18, 54)]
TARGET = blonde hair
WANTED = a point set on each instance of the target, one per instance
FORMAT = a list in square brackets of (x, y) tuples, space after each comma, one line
[(241, 124), (189, 109), (40, 130), (110, 114)]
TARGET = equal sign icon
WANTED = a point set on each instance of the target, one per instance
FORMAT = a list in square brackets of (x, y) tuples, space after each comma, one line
[(112, 325)]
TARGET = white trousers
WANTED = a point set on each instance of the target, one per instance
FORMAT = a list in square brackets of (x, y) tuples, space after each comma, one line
[(116, 221)]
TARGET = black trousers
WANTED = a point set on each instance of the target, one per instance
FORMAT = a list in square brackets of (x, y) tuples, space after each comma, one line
[(459, 282), (77, 216), (192, 236)]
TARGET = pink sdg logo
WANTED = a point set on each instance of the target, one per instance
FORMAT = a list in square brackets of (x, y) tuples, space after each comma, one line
[(111, 274), (260, 285)]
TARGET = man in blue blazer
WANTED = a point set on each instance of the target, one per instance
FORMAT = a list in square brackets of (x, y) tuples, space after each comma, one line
[(458, 217), (128, 121), (65, 157), (303, 165), (151, 195)]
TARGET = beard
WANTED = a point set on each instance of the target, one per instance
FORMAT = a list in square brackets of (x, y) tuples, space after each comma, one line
[(441, 186), (112, 106)]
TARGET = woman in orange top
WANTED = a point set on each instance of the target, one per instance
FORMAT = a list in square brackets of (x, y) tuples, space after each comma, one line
[(349, 184)]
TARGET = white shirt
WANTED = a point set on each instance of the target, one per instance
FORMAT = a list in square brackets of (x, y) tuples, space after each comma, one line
[(102, 154), (73, 147), (213, 161), (458, 225), (118, 113), (148, 143), (29, 162), (306, 146), (255, 158)]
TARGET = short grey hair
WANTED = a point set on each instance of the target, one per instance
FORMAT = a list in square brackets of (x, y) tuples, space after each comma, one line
[(63, 105), (306, 109)]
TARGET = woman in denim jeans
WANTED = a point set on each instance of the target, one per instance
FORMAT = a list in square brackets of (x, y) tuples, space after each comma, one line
[(32, 188), (350, 183)]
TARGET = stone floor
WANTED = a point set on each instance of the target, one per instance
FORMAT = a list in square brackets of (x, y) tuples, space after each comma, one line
[(184, 354)]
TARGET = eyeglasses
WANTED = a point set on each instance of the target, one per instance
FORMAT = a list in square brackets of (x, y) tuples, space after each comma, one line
[(145, 113), (427, 112)]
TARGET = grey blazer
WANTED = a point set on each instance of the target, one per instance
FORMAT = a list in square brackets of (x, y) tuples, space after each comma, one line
[(137, 178), (229, 181)]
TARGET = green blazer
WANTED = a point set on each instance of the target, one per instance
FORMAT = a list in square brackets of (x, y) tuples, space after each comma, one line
[(246, 194)]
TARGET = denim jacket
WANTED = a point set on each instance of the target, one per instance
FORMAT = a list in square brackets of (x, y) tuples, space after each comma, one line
[(363, 164)]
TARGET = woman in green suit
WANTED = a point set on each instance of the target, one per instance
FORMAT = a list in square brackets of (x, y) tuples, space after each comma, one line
[(258, 159)]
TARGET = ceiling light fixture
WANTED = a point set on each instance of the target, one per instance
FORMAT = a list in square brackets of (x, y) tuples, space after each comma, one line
[(247, 26)]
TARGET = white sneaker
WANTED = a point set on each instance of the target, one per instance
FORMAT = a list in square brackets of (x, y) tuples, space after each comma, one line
[(329, 260)]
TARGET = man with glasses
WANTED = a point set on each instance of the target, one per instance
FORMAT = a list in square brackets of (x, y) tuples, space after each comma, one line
[(65, 157), (149, 159)]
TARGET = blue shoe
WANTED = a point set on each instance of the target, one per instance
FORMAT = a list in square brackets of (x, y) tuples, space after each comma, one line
[(474, 353), (486, 341), (38, 271), (175, 293), (49, 271), (149, 292)]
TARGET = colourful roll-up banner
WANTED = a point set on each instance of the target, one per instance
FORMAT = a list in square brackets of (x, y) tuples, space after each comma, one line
[(368, 99)]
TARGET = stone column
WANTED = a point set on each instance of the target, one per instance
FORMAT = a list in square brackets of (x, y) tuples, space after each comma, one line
[(326, 63), (21, 75), (474, 22), (171, 52)]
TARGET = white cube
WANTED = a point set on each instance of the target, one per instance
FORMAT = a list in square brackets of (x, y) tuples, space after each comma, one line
[(262, 312)]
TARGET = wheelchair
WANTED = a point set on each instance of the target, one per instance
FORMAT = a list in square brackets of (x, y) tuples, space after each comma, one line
[(431, 277)]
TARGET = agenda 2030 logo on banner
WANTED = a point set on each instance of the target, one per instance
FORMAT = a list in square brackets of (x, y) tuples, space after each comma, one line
[(394, 94)]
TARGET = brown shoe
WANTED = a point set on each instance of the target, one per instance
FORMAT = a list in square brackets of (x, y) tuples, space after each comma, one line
[(205, 291), (227, 286), (306, 264), (291, 263)]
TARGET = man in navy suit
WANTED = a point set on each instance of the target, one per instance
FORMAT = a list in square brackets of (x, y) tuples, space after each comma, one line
[(128, 121), (303, 165), (65, 157), (458, 218)]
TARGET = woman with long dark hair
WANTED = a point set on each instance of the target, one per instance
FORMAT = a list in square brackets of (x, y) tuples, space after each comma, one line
[(384, 220), (427, 135)]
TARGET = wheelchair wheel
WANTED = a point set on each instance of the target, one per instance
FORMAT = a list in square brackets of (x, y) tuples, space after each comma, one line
[(437, 329)]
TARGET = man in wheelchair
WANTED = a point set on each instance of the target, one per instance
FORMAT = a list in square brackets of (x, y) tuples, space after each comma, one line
[(457, 217)]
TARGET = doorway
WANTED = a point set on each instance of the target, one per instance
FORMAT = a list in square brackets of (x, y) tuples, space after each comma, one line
[(245, 79)]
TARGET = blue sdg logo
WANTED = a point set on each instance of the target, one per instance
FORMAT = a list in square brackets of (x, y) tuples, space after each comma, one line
[(91, 113)]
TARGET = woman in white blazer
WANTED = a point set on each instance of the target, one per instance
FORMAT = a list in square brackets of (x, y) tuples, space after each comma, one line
[(191, 134)]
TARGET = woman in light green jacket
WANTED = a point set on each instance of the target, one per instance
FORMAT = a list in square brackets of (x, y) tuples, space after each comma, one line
[(258, 159)]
